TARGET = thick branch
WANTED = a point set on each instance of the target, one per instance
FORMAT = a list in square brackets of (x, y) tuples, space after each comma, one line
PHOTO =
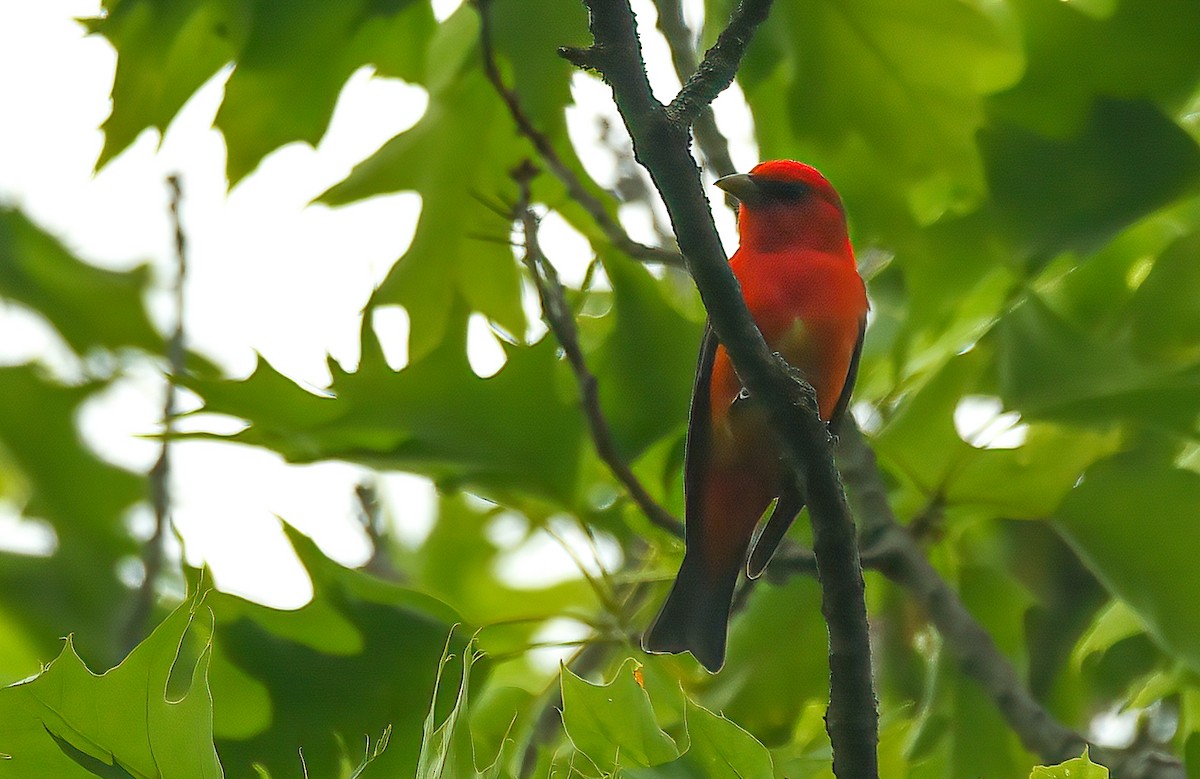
[(891, 548), (554, 163), (561, 321), (661, 146)]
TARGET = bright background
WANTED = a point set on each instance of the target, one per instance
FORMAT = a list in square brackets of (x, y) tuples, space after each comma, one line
[(268, 273)]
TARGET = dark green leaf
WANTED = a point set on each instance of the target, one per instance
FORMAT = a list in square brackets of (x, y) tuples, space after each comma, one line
[(1075, 192), (645, 365), (362, 656), (1051, 369), (1147, 562), (1074, 56), (836, 71)]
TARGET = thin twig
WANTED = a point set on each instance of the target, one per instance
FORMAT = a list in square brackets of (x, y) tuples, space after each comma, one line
[(713, 144), (561, 321), (660, 141), (893, 550), (554, 163), (370, 514), (153, 552), (720, 63)]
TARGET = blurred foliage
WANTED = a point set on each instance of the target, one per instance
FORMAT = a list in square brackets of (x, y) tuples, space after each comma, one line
[(1026, 176)]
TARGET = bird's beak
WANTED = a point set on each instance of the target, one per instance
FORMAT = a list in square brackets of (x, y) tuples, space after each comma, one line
[(740, 185)]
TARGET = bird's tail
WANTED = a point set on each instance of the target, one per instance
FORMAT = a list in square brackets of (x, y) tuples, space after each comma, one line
[(695, 617)]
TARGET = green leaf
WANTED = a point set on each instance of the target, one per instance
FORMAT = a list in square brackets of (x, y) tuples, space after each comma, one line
[(447, 751), (528, 34), (291, 63), (1164, 313), (84, 499), (90, 307), (165, 52), (721, 749), (1074, 56), (838, 70), (613, 724), (645, 365), (981, 742), (777, 660), (1148, 562), (1111, 626), (296, 59), (1125, 161), (1051, 369), (509, 433), (1076, 768), (360, 658), (150, 716), (458, 564), (460, 248)]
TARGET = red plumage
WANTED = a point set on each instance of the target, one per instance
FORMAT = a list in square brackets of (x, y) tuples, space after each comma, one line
[(800, 282)]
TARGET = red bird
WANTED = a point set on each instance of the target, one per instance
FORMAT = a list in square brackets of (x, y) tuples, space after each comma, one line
[(800, 282)]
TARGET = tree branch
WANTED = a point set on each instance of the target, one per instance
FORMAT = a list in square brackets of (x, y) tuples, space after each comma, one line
[(712, 143), (720, 63), (561, 321), (554, 163), (660, 138), (160, 474), (889, 547)]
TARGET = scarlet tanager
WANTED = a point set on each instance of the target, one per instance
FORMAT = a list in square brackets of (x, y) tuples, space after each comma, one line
[(800, 282)]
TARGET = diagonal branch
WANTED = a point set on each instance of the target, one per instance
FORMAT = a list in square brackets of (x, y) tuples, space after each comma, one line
[(891, 549), (660, 138), (712, 143), (720, 63), (561, 321), (554, 163)]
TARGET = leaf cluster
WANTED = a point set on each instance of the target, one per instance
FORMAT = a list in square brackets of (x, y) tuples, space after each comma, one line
[(1023, 184)]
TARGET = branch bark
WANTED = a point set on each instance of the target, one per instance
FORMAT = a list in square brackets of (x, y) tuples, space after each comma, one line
[(660, 138), (561, 321), (554, 163), (712, 143)]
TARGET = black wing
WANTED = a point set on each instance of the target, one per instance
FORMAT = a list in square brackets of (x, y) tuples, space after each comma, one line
[(696, 453), (839, 410)]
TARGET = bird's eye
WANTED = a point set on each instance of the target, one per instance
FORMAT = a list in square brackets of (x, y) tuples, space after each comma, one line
[(782, 191)]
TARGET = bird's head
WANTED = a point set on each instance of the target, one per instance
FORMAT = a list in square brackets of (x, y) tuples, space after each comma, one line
[(785, 202)]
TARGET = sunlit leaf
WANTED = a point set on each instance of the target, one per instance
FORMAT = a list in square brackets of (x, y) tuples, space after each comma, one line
[(1077, 768), (291, 63), (512, 432), (360, 658), (149, 716), (613, 724)]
